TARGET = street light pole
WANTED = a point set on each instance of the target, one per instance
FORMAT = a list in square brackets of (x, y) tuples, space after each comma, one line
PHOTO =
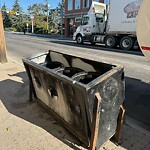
[(61, 19), (47, 14)]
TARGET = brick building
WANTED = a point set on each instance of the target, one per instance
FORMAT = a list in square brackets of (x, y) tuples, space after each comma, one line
[(74, 10)]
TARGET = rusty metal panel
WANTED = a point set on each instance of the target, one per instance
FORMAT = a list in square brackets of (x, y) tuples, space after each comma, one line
[(67, 86), (111, 90)]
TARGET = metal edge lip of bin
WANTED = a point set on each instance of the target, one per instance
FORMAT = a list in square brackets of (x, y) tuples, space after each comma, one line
[(116, 71)]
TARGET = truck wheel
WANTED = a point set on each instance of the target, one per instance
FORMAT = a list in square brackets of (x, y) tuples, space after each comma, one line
[(111, 41), (127, 43), (79, 39)]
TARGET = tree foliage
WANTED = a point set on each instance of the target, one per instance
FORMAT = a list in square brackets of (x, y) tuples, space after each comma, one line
[(17, 19), (6, 17), (37, 8), (17, 7), (40, 11)]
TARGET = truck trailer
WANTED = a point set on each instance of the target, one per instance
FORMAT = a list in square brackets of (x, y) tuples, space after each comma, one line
[(143, 28), (113, 24)]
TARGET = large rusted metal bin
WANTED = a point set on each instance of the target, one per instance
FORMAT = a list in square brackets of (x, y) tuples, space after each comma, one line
[(70, 88)]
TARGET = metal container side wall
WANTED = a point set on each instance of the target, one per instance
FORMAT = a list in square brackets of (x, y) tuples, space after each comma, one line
[(122, 17), (111, 88), (74, 101), (71, 114)]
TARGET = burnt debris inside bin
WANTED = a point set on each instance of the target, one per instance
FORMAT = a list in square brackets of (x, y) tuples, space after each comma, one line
[(71, 71), (54, 65), (66, 86), (87, 77)]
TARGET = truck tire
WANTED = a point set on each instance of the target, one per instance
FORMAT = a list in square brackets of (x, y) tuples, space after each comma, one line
[(111, 41), (127, 43), (79, 39)]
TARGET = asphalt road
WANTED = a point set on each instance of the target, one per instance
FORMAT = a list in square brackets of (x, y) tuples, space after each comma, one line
[(137, 68)]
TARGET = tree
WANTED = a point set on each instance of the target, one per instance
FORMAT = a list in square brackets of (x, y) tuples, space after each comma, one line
[(37, 8), (17, 7), (55, 16), (6, 17), (29, 9), (4, 8), (61, 4), (17, 18), (42, 8), (40, 11)]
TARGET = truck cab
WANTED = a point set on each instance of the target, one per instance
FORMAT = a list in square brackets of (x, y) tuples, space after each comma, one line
[(92, 23)]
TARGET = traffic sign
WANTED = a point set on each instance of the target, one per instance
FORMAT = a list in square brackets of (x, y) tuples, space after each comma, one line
[(32, 17), (12, 12)]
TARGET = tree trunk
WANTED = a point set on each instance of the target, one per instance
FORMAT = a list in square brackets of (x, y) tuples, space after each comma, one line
[(3, 57)]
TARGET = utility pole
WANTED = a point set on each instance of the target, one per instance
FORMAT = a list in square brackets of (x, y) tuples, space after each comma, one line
[(32, 21), (61, 19), (47, 14), (32, 26), (3, 57)]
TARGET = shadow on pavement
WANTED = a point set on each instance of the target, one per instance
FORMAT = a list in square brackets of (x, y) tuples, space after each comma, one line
[(97, 47), (15, 98), (132, 139), (137, 101)]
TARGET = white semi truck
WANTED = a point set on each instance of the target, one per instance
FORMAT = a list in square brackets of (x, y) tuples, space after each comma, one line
[(113, 24)]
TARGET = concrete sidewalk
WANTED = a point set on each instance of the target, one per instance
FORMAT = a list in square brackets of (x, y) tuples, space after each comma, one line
[(25, 125)]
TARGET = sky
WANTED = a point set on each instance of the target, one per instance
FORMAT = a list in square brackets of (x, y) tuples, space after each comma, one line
[(25, 3)]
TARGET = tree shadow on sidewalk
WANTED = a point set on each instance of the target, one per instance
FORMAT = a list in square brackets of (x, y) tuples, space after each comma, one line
[(137, 101), (15, 97), (132, 139)]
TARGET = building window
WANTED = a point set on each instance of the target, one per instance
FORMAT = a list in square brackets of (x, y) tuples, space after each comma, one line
[(85, 3), (78, 19), (77, 4), (70, 4)]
